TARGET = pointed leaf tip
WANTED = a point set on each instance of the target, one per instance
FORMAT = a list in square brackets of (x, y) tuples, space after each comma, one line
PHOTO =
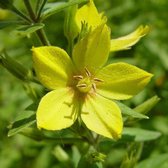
[(126, 42)]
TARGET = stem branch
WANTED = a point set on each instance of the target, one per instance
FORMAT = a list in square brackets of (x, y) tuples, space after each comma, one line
[(30, 10), (20, 14), (40, 9), (40, 33)]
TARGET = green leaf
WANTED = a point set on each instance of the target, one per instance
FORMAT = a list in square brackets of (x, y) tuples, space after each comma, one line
[(145, 107), (4, 24), (158, 161), (32, 107), (28, 29), (39, 135), (52, 8), (19, 125), (141, 134), (130, 112)]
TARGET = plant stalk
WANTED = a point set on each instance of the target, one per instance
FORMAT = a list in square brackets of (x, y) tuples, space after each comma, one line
[(40, 33)]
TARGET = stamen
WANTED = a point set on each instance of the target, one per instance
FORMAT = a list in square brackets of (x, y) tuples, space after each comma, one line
[(87, 72), (98, 80), (94, 86), (78, 77), (83, 85)]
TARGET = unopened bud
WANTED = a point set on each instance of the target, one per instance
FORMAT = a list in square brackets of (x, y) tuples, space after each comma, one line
[(14, 67), (70, 27), (145, 107)]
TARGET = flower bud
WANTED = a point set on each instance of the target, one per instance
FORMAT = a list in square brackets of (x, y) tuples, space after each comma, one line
[(70, 27), (14, 67), (145, 107)]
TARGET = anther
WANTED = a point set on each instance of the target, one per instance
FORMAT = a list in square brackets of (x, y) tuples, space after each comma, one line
[(94, 86), (78, 77), (98, 80), (82, 85), (87, 72)]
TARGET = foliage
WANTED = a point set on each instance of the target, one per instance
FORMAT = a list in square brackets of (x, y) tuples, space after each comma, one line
[(22, 144)]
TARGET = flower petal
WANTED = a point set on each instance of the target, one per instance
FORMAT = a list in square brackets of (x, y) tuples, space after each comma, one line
[(125, 42), (121, 81), (88, 14), (102, 116), (92, 51), (57, 110), (52, 65)]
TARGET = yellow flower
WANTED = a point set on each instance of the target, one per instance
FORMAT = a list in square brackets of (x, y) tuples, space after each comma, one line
[(82, 87), (89, 14)]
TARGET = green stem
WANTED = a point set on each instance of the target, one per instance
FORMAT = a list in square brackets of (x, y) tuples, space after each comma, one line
[(70, 46), (97, 140), (19, 13), (90, 137), (38, 5), (40, 9), (40, 33), (43, 38), (30, 10)]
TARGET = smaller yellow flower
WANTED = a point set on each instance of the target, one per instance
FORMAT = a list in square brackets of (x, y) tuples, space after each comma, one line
[(83, 87), (89, 14)]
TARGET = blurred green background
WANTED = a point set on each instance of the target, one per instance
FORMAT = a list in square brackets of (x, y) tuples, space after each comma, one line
[(150, 54)]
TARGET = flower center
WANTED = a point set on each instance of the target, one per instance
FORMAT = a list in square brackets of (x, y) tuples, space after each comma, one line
[(87, 83), (84, 85)]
